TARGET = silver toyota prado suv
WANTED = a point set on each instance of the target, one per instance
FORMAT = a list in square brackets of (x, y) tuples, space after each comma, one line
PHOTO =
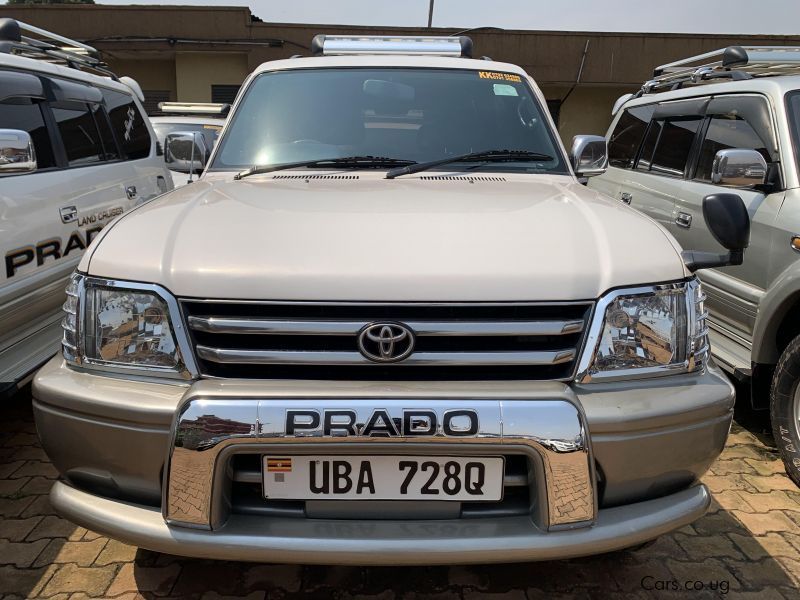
[(387, 325), (728, 121)]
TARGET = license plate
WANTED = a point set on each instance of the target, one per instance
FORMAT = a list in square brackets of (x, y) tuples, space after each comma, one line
[(382, 477)]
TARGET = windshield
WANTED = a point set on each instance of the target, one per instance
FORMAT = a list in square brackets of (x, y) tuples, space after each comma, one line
[(411, 114), (210, 132)]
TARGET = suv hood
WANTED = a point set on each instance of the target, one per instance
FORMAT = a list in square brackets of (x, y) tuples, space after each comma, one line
[(510, 238)]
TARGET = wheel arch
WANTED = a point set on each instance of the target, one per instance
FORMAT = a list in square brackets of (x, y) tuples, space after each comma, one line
[(778, 320)]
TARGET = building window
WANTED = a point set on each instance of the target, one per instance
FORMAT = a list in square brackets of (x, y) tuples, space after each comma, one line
[(554, 106), (224, 94), (152, 99)]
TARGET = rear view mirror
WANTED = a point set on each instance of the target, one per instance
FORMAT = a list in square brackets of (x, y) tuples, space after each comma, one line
[(185, 152), (16, 152), (739, 167), (391, 90), (727, 220), (589, 155)]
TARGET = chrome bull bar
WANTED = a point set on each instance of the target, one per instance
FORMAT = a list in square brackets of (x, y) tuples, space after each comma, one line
[(207, 431)]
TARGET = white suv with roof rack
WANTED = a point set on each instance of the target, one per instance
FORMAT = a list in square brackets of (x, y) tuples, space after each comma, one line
[(76, 151), (387, 325), (728, 121), (180, 118)]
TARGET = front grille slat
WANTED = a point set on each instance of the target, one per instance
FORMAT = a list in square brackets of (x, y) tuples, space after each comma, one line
[(462, 341), (298, 357), (434, 328)]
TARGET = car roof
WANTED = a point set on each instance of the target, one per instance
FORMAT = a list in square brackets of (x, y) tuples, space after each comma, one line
[(771, 86), (42, 67), (394, 60)]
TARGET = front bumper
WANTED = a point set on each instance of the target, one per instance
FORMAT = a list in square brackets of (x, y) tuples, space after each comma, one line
[(609, 465), (321, 541)]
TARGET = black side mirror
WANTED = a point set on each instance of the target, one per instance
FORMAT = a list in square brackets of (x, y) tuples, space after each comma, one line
[(729, 223)]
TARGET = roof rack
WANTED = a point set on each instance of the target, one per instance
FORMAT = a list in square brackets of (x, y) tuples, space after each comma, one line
[(734, 62), (49, 47), (327, 45), (194, 108)]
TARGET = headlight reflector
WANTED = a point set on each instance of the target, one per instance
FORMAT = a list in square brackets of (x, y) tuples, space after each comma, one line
[(129, 327), (648, 331), (122, 327)]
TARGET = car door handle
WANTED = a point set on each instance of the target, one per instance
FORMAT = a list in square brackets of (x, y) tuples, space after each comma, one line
[(69, 214), (683, 220), (130, 192), (625, 197)]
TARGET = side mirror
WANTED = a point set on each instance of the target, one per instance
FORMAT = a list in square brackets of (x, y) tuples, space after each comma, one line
[(16, 152), (589, 155), (739, 167), (727, 220), (185, 152)]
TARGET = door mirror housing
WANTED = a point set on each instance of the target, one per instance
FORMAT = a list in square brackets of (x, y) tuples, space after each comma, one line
[(16, 152), (727, 220), (739, 167), (589, 155), (185, 152)]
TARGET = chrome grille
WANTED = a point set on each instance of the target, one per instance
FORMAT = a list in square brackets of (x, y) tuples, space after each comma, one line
[(453, 341)]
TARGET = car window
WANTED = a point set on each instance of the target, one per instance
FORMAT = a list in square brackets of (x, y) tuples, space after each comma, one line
[(128, 124), (628, 135), (104, 128), (417, 114), (78, 132), (26, 114), (727, 131), (666, 149)]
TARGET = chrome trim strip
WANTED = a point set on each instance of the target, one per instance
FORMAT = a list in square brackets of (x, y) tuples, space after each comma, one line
[(320, 357), (420, 328), (205, 430)]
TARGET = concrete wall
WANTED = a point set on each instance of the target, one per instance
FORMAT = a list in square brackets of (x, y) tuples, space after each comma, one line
[(196, 72), (185, 50)]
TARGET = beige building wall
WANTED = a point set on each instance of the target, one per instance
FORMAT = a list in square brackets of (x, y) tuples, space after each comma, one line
[(196, 72), (151, 74), (587, 110)]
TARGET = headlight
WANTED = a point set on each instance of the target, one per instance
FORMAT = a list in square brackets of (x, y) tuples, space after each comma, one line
[(647, 331), (122, 327)]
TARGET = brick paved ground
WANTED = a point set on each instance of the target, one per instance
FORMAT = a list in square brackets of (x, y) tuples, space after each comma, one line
[(748, 545)]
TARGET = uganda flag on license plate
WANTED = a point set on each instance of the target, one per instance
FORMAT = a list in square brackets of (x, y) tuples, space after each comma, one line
[(279, 465)]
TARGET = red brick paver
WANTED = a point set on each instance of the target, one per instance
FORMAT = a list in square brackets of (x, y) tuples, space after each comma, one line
[(747, 546)]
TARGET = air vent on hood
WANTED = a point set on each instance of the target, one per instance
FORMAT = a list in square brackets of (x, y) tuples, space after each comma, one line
[(315, 176), (471, 179)]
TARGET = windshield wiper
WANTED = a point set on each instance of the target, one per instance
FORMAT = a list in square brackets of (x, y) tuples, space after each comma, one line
[(485, 156), (346, 162)]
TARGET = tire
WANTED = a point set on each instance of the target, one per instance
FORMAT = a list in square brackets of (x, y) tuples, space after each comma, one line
[(784, 401)]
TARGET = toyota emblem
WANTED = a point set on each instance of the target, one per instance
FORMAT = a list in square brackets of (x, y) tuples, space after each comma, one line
[(386, 342)]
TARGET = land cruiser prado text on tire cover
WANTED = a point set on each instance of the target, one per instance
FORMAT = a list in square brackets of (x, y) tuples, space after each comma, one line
[(75, 152), (728, 121), (387, 325)]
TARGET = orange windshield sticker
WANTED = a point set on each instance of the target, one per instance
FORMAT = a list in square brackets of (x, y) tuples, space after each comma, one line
[(500, 76)]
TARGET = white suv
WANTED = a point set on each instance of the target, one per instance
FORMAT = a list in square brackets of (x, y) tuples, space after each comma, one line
[(76, 150)]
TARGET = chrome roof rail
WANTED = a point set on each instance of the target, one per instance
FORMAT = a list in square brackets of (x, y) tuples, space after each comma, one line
[(734, 63), (49, 47)]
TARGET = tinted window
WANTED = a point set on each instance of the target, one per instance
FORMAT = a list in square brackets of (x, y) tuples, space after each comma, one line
[(414, 114), (106, 137), (669, 141), (26, 115), (627, 136), (793, 107), (128, 124), (727, 131), (78, 132)]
